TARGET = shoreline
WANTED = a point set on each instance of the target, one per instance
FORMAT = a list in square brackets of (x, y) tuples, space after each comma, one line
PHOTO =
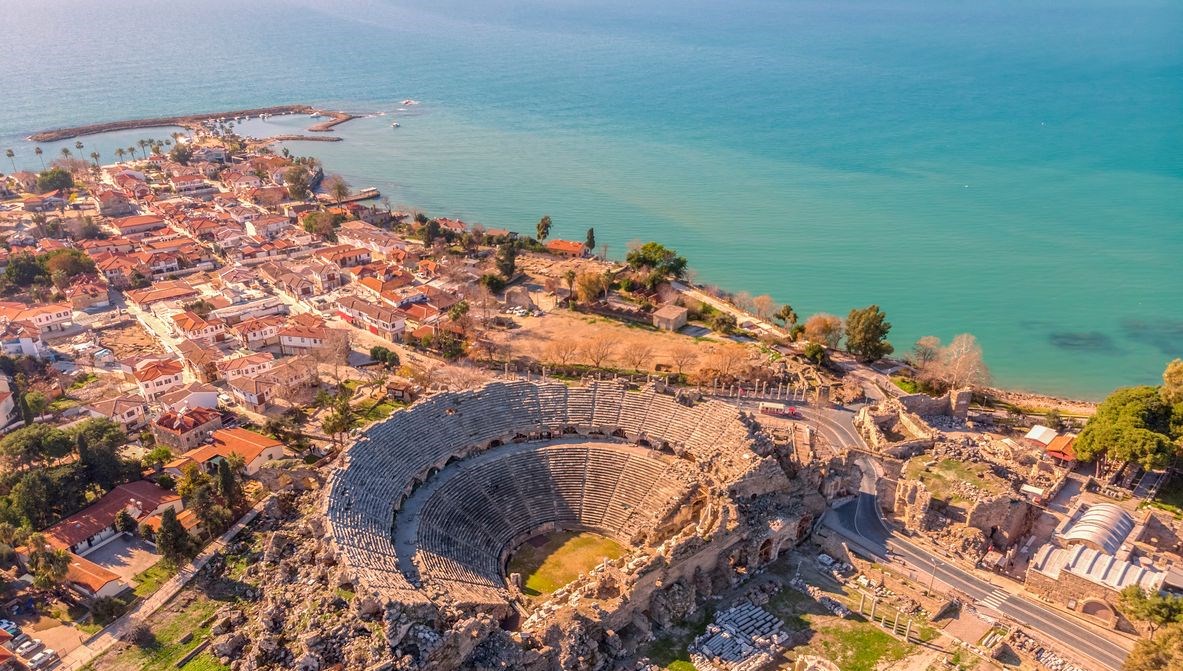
[(1016, 396), (192, 121)]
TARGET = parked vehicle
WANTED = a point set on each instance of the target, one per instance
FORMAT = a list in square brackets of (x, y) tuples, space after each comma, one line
[(29, 647), (16, 642), (10, 627), (43, 659)]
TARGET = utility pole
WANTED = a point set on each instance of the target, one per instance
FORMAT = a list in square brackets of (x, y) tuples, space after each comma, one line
[(933, 576)]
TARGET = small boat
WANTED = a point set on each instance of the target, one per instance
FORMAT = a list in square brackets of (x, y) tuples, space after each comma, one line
[(401, 109), (395, 125), (408, 101)]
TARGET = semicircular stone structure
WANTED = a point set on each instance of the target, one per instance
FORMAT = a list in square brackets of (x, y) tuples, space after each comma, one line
[(427, 505)]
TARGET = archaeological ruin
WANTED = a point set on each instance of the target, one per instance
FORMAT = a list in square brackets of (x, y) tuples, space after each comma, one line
[(427, 508)]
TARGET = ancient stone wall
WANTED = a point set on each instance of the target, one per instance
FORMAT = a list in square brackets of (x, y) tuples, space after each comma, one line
[(954, 404), (912, 504), (1081, 595), (910, 434), (1003, 519)]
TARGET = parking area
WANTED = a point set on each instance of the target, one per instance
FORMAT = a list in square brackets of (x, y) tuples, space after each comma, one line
[(126, 557)]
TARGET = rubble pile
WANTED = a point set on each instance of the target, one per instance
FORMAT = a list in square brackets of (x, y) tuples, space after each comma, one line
[(1047, 658), (744, 637), (820, 597)]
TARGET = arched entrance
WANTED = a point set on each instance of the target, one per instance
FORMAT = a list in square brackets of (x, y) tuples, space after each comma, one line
[(1098, 609)]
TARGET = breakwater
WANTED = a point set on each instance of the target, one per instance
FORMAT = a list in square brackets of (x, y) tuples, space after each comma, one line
[(188, 121)]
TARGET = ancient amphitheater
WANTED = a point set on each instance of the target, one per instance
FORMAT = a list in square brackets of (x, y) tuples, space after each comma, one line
[(427, 507)]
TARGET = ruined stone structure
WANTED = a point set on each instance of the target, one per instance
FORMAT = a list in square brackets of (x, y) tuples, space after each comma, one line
[(428, 506), (744, 637), (892, 430), (969, 526), (954, 404)]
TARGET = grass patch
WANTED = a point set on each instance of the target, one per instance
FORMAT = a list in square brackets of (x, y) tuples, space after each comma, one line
[(941, 477), (376, 412), (205, 662), (163, 652), (83, 380), (906, 383), (150, 580), (857, 646), (561, 559), (351, 385), (64, 403), (1169, 497), (669, 651)]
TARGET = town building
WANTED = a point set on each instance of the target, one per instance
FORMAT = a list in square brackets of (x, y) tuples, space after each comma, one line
[(156, 378), (254, 449), (130, 412), (185, 429), (670, 317)]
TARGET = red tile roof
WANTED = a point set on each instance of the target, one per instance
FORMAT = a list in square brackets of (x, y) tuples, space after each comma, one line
[(101, 514)]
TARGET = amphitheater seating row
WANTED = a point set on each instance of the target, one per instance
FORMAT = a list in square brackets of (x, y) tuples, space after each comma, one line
[(469, 521), (382, 468)]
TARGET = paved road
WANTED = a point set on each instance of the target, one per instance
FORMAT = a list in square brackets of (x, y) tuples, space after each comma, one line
[(859, 521), (836, 425)]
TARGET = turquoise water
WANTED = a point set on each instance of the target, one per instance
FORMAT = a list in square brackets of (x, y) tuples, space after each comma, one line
[(1009, 169)]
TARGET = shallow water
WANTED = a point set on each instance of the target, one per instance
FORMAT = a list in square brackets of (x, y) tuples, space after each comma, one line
[(1008, 169)]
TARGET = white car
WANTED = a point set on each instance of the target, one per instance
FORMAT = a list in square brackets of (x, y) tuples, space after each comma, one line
[(43, 659), (29, 647)]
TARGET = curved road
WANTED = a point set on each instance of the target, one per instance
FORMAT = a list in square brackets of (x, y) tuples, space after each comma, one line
[(859, 521)]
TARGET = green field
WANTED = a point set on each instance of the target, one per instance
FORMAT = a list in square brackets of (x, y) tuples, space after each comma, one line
[(856, 646), (560, 560)]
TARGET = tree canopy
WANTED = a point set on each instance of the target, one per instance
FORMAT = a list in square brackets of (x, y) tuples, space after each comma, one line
[(1163, 653), (53, 179), (866, 334), (824, 329), (1153, 608), (506, 260), (35, 444), (1172, 382), (659, 261), (1133, 424)]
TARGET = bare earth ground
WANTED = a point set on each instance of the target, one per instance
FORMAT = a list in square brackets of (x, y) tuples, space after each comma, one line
[(536, 334)]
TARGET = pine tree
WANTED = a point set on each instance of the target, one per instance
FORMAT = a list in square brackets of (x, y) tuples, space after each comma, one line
[(228, 484), (172, 539)]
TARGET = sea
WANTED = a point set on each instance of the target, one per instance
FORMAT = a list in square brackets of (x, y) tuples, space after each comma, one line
[(1007, 168)]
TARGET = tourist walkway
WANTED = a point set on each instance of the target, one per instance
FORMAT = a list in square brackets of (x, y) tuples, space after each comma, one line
[(114, 632)]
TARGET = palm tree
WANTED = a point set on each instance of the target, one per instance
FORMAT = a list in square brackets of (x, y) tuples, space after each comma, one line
[(39, 152), (120, 153), (132, 149), (78, 145), (66, 153), (569, 276), (94, 156), (143, 144), (47, 563), (11, 157)]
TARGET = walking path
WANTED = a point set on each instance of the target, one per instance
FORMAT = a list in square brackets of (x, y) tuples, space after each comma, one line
[(114, 632)]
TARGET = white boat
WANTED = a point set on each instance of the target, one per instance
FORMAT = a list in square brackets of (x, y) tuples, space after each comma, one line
[(408, 101), (394, 125)]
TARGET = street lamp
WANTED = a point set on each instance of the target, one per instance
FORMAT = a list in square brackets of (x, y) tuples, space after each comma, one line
[(933, 576)]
